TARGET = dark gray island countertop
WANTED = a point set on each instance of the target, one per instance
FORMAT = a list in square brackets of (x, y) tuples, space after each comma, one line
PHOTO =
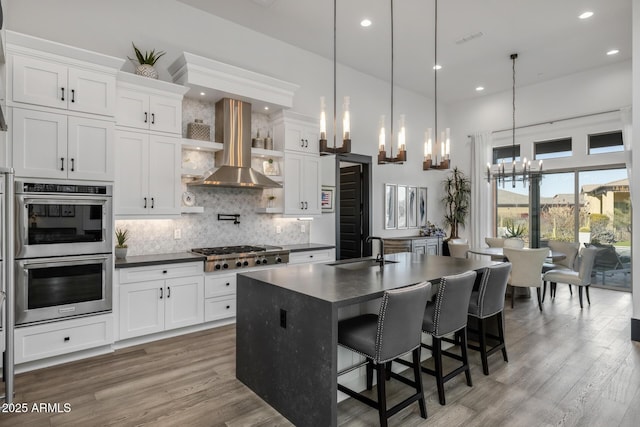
[(342, 286), (287, 325), (304, 247)]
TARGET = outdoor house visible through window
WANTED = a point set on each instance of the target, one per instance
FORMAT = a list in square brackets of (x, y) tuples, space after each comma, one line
[(552, 149), (609, 142), (506, 154)]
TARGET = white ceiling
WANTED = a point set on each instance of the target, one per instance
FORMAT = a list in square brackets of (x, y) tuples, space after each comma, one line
[(548, 36)]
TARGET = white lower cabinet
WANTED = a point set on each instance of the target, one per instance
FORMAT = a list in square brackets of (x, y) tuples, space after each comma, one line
[(220, 297), (312, 257), (170, 297), (57, 338)]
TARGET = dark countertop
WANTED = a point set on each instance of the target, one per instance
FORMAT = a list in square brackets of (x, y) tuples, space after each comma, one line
[(344, 286), (302, 247), (143, 260)]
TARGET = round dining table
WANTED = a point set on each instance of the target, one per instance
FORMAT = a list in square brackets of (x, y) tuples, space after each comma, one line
[(498, 252)]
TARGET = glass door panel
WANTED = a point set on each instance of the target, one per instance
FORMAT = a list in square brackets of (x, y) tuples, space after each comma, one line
[(557, 207)]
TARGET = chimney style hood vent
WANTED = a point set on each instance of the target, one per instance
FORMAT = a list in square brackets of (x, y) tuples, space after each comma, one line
[(233, 128)]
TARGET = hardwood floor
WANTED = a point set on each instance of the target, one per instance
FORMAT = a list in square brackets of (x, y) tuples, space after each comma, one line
[(568, 367)]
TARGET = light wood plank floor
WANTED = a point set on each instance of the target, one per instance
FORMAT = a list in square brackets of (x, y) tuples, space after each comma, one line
[(568, 367)]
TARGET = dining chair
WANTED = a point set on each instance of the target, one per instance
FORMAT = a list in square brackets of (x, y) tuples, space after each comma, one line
[(494, 242), (580, 278), (458, 250), (514, 243), (570, 250), (526, 269)]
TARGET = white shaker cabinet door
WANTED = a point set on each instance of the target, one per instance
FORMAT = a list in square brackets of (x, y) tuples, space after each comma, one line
[(165, 114), (39, 82), (142, 308), (39, 144), (90, 149), (132, 109), (92, 92), (293, 170), (131, 173), (164, 175), (184, 302), (311, 185)]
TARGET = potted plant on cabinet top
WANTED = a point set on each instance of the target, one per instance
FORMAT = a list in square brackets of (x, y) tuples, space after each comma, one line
[(457, 198), (146, 62), (122, 235)]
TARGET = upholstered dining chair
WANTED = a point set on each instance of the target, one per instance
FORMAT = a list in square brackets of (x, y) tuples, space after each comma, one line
[(458, 250), (494, 242), (526, 269), (570, 249), (580, 278), (381, 338)]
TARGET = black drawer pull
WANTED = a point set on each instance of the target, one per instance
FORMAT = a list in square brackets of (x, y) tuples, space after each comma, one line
[(228, 307), (227, 283), (164, 271), (66, 339), (62, 99), (146, 116), (73, 95), (62, 163), (160, 293), (73, 164), (153, 118), (168, 291), (145, 203)]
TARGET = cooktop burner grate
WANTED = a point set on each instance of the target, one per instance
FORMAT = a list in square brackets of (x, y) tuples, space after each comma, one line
[(225, 250)]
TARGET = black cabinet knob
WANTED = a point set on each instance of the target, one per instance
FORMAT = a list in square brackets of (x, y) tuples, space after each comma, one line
[(217, 267), (225, 265)]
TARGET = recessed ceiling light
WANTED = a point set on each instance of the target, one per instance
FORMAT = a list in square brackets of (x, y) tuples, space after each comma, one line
[(479, 88), (585, 15), (613, 52), (202, 94), (365, 22), (437, 67), (266, 107)]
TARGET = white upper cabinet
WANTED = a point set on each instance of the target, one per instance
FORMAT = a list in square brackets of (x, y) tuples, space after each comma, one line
[(52, 84), (301, 184), (300, 133), (50, 145), (149, 104)]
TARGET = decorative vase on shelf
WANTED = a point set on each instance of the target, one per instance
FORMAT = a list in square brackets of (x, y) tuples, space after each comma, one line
[(147, 70)]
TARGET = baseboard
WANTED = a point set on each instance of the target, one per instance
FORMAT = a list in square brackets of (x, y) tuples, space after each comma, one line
[(635, 329)]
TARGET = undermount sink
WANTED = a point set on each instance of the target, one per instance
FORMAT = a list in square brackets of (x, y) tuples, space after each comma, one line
[(360, 264)]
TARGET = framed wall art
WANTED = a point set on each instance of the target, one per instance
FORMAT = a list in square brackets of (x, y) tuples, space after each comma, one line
[(327, 199), (422, 206), (390, 209), (402, 206), (412, 207)]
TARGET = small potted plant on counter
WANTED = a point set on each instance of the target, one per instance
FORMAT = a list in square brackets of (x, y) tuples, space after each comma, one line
[(146, 62), (122, 235)]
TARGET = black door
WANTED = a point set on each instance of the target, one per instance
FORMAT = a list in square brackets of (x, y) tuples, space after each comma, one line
[(350, 212)]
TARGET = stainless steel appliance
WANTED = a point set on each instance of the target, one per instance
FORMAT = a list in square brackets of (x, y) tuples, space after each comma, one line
[(55, 219), (58, 287), (237, 257)]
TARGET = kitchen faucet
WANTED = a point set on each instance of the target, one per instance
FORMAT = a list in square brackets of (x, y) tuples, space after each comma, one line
[(380, 256)]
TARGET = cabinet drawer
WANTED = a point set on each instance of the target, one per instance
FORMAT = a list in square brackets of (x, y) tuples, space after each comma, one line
[(217, 286), (164, 271), (326, 255), (219, 308), (53, 339)]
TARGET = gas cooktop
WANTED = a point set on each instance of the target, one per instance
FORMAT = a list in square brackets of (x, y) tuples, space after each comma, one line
[(233, 257)]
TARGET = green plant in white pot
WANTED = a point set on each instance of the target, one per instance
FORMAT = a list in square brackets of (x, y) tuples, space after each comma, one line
[(146, 62), (122, 235)]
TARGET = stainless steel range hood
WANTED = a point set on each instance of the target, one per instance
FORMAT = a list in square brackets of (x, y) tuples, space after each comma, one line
[(233, 128)]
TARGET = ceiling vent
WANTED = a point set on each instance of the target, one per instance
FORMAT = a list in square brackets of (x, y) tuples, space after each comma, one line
[(470, 37)]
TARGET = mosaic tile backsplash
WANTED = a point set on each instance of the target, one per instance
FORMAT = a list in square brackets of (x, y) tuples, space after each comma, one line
[(204, 230)]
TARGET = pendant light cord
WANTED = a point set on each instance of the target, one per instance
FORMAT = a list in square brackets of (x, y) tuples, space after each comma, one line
[(435, 71), (513, 104), (391, 127), (335, 125)]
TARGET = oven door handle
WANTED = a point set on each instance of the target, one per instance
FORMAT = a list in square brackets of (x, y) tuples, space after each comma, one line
[(32, 264), (63, 201)]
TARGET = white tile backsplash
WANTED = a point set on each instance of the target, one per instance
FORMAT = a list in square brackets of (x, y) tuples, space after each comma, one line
[(204, 230)]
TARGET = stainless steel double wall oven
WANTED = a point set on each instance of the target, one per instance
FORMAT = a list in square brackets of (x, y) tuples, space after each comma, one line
[(63, 264)]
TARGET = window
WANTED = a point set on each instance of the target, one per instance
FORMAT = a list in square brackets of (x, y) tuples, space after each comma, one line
[(552, 149), (609, 142), (506, 154)]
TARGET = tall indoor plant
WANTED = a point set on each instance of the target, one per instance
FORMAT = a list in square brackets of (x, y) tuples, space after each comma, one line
[(457, 197)]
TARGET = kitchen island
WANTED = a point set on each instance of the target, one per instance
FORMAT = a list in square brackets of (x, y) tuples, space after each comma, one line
[(287, 325)]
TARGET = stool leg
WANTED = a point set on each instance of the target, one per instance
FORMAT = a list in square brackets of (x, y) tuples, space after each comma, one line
[(539, 299), (382, 395), (465, 358), (544, 290), (483, 344), (418, 380), (501, 335), (369, 374), (570, 290), (513, 295), (586, 288), (387, 368), (437, 358)]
